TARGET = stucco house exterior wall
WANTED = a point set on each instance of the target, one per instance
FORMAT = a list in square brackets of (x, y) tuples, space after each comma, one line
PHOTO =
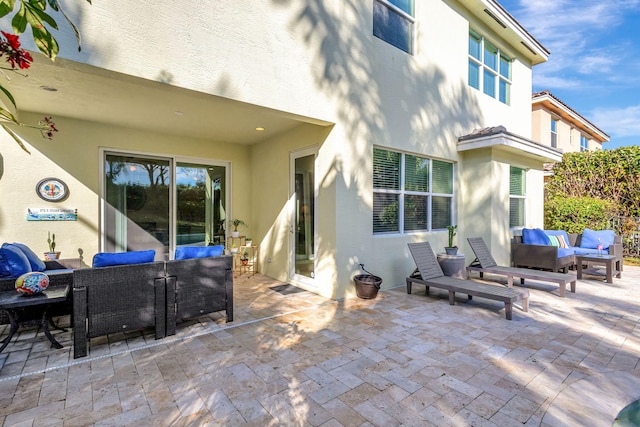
[(191, 81)]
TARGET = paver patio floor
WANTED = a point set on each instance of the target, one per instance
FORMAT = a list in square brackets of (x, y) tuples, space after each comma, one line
[(302, 360)]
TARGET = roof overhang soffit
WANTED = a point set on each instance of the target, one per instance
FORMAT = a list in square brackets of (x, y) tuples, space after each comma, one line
[(494, 16), (511, 144)]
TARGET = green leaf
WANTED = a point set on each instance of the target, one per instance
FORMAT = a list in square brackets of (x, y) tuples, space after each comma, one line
[(8, 95), (16, 138), (6, 6), (36, 16), (45, 42), (19, 21)]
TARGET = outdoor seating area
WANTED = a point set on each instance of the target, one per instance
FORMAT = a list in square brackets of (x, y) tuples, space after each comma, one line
[(300, 359), (121, 292), (556, 250)]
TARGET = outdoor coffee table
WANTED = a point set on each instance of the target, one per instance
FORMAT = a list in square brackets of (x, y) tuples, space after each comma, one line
[(611, 263), (27, 308)]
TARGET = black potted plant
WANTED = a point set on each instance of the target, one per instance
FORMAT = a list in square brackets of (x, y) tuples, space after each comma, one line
[(451, 249)]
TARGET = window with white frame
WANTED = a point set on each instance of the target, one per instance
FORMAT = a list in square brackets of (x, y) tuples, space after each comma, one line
[(517, 196), (393, 22), (584, 143), (410, 193), (489, 68), (554, 133)]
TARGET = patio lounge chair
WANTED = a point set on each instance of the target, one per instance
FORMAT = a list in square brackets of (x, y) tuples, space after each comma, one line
[(484, 263), (429, 274)]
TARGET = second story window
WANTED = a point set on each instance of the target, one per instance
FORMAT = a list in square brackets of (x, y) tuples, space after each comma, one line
[(393, 22), (584, 143), (554, 133), (489, 68)]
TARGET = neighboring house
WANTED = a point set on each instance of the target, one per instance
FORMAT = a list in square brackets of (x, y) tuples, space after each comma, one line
[(339, 131), (555, 124)]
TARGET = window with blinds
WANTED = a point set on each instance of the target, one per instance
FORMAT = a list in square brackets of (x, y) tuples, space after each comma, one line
[(410, 193), (517, 196), (393, 22)]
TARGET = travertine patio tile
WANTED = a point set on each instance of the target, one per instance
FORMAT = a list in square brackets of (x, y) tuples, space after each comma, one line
[(399, 359)]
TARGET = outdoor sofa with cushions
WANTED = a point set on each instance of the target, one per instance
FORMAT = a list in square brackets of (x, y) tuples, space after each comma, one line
[(129, 291), (202, 279), (555, 250), (121, 292)]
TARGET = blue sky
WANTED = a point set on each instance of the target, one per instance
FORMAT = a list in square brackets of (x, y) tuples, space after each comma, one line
[(594, 66)]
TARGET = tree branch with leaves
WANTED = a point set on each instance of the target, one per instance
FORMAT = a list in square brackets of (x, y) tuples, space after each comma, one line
[(31, 14)]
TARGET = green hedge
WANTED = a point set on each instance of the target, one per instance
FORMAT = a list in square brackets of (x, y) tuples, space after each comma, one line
[(574, 214)]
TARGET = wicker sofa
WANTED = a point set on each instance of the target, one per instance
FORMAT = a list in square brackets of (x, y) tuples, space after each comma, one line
[(117, 298), (201, 285), (154, 294), (555, 258)]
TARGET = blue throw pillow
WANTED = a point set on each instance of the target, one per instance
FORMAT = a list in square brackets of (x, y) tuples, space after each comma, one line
[(557, 233), (591, 238), (105, 259), (534, 236), (13, 263), (36, 263), (186, 252)]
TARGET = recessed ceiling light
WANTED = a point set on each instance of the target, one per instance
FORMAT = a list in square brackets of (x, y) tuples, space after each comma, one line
[(178, 113), (49, 88), (259, 129)]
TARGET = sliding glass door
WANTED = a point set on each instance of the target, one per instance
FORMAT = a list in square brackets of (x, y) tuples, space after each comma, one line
[(159, 203)]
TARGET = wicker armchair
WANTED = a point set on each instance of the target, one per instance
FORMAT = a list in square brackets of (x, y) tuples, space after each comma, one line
[(202, 286), (117, 299)]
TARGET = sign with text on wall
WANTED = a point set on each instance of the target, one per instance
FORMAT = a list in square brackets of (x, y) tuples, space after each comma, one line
[(52, 214)]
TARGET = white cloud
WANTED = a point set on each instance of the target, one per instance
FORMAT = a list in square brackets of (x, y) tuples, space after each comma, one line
[(619, 122), (571, 30)]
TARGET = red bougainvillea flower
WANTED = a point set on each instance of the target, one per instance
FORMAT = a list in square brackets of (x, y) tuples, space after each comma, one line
[(47, 127), (15, 54)]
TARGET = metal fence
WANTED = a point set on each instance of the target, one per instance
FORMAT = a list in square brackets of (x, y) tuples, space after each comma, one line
[(629, 229)]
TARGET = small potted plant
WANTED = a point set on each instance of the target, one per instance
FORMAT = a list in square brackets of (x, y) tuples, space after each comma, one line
[(237, 223), (451, 249), (244, 259), (234, 249), (52, 255), (248, 241)]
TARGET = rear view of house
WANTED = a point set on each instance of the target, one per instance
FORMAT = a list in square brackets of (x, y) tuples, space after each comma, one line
[(337, 131)]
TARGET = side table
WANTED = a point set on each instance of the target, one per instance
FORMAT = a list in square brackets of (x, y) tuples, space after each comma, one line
[(611, 263), (21, 309), (452, 265)]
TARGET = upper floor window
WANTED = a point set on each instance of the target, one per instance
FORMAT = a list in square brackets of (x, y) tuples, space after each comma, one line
[(517, 196), (410, 193), (489, 68), (393, 22), (554, 133), (584, 143)]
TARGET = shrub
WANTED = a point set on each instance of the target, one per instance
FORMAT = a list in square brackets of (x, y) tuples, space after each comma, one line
[(574, 214)]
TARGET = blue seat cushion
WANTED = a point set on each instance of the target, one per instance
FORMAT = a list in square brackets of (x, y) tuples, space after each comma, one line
[(36, 263), (105, 259), (591, 238), (13, 262), (186, 252), (534, 236), (585, 251)]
